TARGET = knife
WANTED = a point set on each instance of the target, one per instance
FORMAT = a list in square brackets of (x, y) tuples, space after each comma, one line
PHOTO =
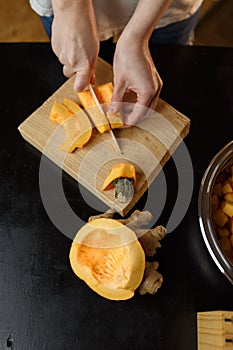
[(102, 112)]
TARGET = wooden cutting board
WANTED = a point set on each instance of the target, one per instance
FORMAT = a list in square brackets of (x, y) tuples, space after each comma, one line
[(148, 145)]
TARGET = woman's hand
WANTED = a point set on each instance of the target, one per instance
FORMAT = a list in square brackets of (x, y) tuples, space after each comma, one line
[(134, 70), (133, 66), (75, 40)]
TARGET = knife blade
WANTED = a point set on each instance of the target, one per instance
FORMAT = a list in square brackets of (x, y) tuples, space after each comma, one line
[(102, 112)]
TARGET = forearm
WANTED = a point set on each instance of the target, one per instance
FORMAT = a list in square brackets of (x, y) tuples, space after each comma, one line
[(75, 39), (145, 18), (64, 5), (78, 10)]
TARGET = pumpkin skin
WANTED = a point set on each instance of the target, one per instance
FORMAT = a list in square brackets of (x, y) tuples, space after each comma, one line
[(108, 257), (121, 170)]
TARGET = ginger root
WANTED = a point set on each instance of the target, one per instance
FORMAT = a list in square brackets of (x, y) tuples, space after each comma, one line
[(152, 279), (150, 239), (137, 219), (107, 215)]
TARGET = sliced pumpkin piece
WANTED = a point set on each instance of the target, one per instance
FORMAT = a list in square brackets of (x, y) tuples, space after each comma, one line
[(108, 257), (104, 94), (115, 120), (99, 119), (76, 123), (123, 177), (71, 105), (78, 128), (121, 170), (59, 113)]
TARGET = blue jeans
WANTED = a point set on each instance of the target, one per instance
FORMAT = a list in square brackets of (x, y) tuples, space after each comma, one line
[(178, 33)]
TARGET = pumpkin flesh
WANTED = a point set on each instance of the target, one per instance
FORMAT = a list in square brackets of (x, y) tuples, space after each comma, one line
[(121, 170), (104, 95), (76, 123), (78, 128), (109, 258)]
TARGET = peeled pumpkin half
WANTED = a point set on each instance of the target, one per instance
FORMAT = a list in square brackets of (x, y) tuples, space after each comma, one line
[(108, 257)]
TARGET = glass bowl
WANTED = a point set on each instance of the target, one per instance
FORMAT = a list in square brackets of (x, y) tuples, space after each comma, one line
[(222, 159)]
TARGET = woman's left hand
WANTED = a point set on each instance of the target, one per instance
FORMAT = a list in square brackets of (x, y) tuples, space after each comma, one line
[(134, 70)]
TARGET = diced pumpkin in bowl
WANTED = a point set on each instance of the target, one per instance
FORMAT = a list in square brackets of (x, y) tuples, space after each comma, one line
[(229, 197), (227, 188), (219, 217), (107, 255), (227, 208)]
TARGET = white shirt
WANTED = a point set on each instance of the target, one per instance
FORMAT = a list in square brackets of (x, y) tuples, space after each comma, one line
[(112, 16)]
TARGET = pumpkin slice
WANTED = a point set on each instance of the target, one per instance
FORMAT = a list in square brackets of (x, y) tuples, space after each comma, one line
[(76, 123), (122, 170), (59, 113), (78, 128), (115, 120), (99, 120), (104, 95), (104, 92), (108, 257)]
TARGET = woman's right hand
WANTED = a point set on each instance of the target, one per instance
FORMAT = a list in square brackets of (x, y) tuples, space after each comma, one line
[(75, 40)]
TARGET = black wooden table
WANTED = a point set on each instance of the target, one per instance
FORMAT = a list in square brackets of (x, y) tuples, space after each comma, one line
[(42, 304)]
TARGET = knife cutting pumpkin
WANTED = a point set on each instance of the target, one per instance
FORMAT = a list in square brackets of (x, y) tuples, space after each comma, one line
[(102, 112)]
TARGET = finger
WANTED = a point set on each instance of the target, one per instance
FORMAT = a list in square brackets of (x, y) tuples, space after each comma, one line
[(117, 98), (82, 79), (138, 113), (93, 75), (118, 93), (154, 100), (146, 102), (68, 71)]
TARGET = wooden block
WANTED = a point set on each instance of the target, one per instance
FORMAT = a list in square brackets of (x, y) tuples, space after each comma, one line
[(215, 330), (148, 145)]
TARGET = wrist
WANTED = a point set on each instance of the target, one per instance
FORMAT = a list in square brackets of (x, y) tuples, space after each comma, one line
[(61, 6), (130, 40)]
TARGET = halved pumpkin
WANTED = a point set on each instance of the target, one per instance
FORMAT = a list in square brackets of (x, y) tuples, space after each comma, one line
[(108, 257)]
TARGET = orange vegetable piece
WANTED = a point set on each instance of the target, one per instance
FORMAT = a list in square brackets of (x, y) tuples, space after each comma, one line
[(122, 170), (76, 123), (104, 95), (59, 113)]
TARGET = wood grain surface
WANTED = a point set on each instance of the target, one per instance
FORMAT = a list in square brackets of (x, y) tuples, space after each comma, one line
[(148, 145), (215, 330)]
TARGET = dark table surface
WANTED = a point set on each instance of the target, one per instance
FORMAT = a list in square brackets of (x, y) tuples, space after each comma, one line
[(42, 304)]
